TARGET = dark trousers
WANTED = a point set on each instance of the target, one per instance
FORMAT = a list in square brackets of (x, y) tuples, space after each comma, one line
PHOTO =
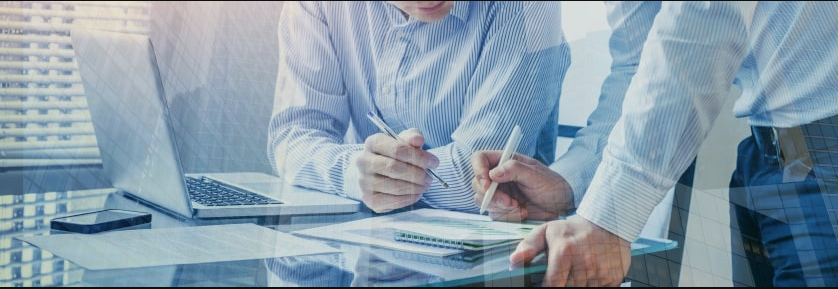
[(783, 232)]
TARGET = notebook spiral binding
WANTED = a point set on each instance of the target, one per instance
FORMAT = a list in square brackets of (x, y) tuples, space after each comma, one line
[(428, 240)]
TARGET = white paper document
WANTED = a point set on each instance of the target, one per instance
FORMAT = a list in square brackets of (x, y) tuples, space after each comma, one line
[(173, 246)]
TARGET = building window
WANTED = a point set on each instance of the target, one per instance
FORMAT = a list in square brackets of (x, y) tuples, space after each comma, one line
[(43, 113)]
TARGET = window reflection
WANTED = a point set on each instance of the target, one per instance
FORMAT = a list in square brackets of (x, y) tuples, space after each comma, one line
[(30, 214)]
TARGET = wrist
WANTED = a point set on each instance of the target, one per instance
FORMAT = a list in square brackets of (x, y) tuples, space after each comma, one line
[(351, 178), (596, 229)]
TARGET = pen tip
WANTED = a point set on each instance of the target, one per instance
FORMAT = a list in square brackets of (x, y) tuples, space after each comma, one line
[(369, 113)]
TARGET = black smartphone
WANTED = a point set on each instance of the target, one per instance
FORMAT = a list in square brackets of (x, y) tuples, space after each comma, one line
[(100, 221)]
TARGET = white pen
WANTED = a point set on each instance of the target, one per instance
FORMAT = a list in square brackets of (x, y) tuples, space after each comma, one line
[(389, 131), (508, 151)]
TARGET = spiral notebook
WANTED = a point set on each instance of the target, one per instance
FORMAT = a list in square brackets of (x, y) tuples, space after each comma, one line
[(462, 234)]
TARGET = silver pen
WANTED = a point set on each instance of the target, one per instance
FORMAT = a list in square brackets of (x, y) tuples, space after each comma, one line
[(389, 131)]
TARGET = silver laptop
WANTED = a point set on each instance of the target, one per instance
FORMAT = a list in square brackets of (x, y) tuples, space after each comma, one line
[(139, 154)]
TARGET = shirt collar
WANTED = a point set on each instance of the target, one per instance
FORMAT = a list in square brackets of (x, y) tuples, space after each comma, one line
[(459, 10), (394, 14)]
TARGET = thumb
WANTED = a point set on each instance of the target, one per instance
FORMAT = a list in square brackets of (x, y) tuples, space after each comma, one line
[(533, 243)]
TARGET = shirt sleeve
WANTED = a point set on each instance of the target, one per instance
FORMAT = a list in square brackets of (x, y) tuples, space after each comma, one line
[(687, 66), (306, 135), (516, 82), (630, 23)]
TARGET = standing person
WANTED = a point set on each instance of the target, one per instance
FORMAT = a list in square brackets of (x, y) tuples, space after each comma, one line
[(783, 190), (453, 77)]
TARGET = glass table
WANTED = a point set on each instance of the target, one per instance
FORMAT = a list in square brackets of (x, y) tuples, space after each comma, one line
[(354, 265)]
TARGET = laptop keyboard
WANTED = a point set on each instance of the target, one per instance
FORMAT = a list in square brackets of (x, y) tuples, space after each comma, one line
[(209, 192)]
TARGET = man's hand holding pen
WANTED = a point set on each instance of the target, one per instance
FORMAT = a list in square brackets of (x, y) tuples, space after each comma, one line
[(393, 172), (528, 190)]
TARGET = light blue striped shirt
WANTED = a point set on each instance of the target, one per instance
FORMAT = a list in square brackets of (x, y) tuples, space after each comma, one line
[(783, 55), (463, 81)]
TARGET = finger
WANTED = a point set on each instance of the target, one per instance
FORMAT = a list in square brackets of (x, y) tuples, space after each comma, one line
[(502, 207), (502, 201), (511, 215), (601, 264), (485, 159), (413, 137), (598, 282), (480, 185), (558, 271), (580, 275), (532, 244), (479, 189), (479, 192), (382, 203), (560, 262), (384, 145), (481, 163), (569, 283), (383, 184), (372, 164)]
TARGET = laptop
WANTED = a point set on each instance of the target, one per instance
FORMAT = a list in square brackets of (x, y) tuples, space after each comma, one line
[(139, 154)]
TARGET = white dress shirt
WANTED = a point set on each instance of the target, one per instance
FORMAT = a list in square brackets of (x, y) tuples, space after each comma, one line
[(464, 82), (783, 55)]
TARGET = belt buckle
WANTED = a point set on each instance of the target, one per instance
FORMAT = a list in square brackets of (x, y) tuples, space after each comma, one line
[(792, 153)]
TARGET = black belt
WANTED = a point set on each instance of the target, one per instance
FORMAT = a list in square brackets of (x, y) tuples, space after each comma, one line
[(788, 146), (776, 141)]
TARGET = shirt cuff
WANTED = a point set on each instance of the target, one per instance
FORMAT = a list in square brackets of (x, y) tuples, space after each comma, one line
[(351, 175), (577, 168), (621, 197)]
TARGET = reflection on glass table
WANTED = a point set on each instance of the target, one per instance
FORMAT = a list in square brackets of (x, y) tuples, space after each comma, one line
[(355, 265), (30, 214), (364, 266)]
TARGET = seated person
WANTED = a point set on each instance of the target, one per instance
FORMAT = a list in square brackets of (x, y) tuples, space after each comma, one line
[(453, 77)]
